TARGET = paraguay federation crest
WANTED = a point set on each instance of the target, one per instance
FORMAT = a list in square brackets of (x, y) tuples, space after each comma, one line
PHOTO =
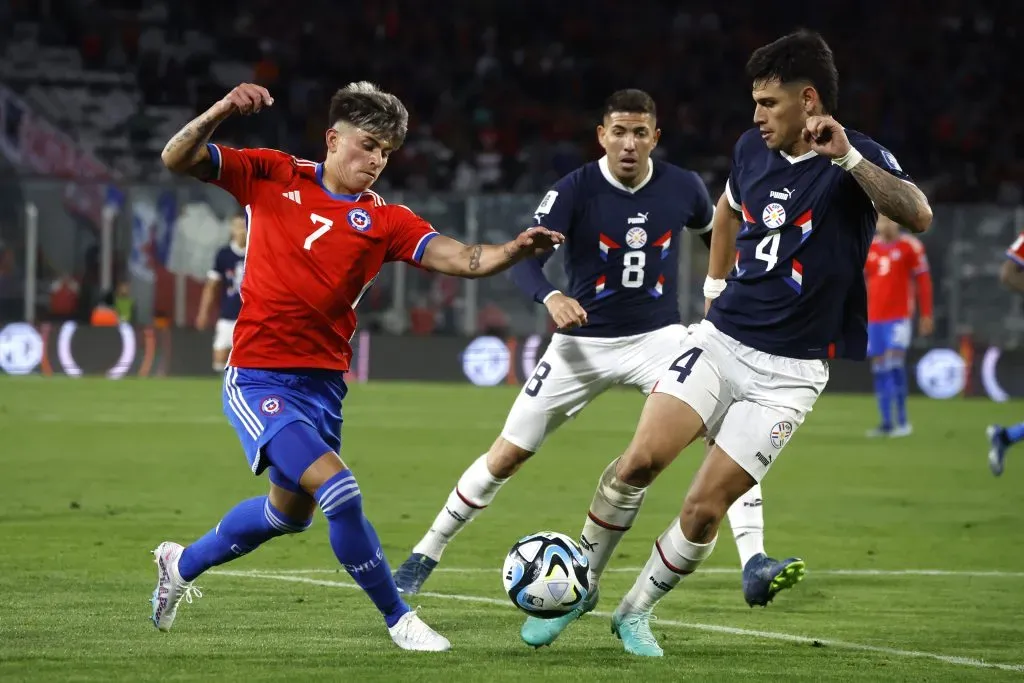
[(774, 215), (360, 219), (636, 237), (781, 431)]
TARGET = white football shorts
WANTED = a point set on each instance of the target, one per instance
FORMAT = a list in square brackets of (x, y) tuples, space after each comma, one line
[(751, 402), (575, 370), (223, 334)]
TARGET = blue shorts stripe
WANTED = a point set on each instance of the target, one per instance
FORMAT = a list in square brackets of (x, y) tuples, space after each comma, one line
[(242, 404), (237, 405)]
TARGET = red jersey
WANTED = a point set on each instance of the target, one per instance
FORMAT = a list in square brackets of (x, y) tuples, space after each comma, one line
[(890, 268), (310, 258), (1016, 251)]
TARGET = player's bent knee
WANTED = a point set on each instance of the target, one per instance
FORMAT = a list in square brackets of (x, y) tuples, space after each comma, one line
[(667, 426), (295, 505), (703, 510), (639, 466), (700, 518), (285, 521), (505, 458)]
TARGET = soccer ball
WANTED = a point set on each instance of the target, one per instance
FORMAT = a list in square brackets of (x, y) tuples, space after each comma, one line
[(545, 574)]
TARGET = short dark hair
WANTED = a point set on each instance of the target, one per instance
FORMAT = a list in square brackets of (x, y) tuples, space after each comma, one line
[(801, 56), (630, 100), (366, 106)]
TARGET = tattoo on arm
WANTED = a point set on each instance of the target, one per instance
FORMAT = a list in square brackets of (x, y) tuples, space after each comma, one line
[(899, 200), (184, 137), (474, 257), (181, 150)]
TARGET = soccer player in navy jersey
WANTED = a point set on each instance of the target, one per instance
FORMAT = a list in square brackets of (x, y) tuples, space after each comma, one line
[(318, 237), (785, 292), (226, 274), (618, 325)]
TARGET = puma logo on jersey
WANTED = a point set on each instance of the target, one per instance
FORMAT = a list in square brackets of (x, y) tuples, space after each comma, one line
[(639, 219), (292, 195), (786, 193)]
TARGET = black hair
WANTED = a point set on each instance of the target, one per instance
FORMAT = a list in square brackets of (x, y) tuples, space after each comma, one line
[(631, 101), (801, 56)]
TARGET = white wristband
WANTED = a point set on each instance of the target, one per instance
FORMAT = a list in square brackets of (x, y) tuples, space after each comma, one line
[(713, 287), (849, 160)]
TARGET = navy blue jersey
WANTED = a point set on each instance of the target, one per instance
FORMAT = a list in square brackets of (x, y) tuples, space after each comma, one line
[(798, 286), (622, 245), (229, 268)]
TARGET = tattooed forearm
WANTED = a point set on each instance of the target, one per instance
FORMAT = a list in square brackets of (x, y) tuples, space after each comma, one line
[(186, 151), (474, 257), (184, 138), (899, 200)]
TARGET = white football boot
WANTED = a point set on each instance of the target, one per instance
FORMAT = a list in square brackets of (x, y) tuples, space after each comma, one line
[(170, 587), (411, 633)]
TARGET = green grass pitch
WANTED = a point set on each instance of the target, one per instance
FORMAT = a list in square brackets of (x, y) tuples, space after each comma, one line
[(96, 473)]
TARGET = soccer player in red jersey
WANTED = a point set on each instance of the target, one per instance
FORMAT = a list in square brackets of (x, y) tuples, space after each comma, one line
[(1000, 438), (896, 265), (318, 237)]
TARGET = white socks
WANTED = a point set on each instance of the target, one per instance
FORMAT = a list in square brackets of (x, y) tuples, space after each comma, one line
[(475, 491), (612, 511), (672, 558), (746, 517)]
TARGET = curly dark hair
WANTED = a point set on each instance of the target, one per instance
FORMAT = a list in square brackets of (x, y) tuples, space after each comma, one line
[(800, 57)]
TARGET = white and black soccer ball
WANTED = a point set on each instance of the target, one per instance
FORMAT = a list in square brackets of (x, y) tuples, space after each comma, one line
[(545, 574)]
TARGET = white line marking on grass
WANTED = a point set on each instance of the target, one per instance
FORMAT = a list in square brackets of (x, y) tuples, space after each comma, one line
[(961, 573), (713, 628)]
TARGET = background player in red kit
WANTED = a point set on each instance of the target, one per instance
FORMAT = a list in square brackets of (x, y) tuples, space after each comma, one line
[(317, 240), (1000, 438), (896, 267)]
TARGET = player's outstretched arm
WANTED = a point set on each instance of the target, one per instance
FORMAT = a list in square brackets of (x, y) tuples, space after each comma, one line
[(724, 228), (900, 200), (452, 257), (186, 152)]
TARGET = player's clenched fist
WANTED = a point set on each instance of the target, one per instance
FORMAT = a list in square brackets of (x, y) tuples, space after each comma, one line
[(248, 98), (826, 136), (566, 311), (535, 241)]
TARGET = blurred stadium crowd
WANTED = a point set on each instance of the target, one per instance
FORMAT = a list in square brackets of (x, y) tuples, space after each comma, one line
[(503, 94)]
